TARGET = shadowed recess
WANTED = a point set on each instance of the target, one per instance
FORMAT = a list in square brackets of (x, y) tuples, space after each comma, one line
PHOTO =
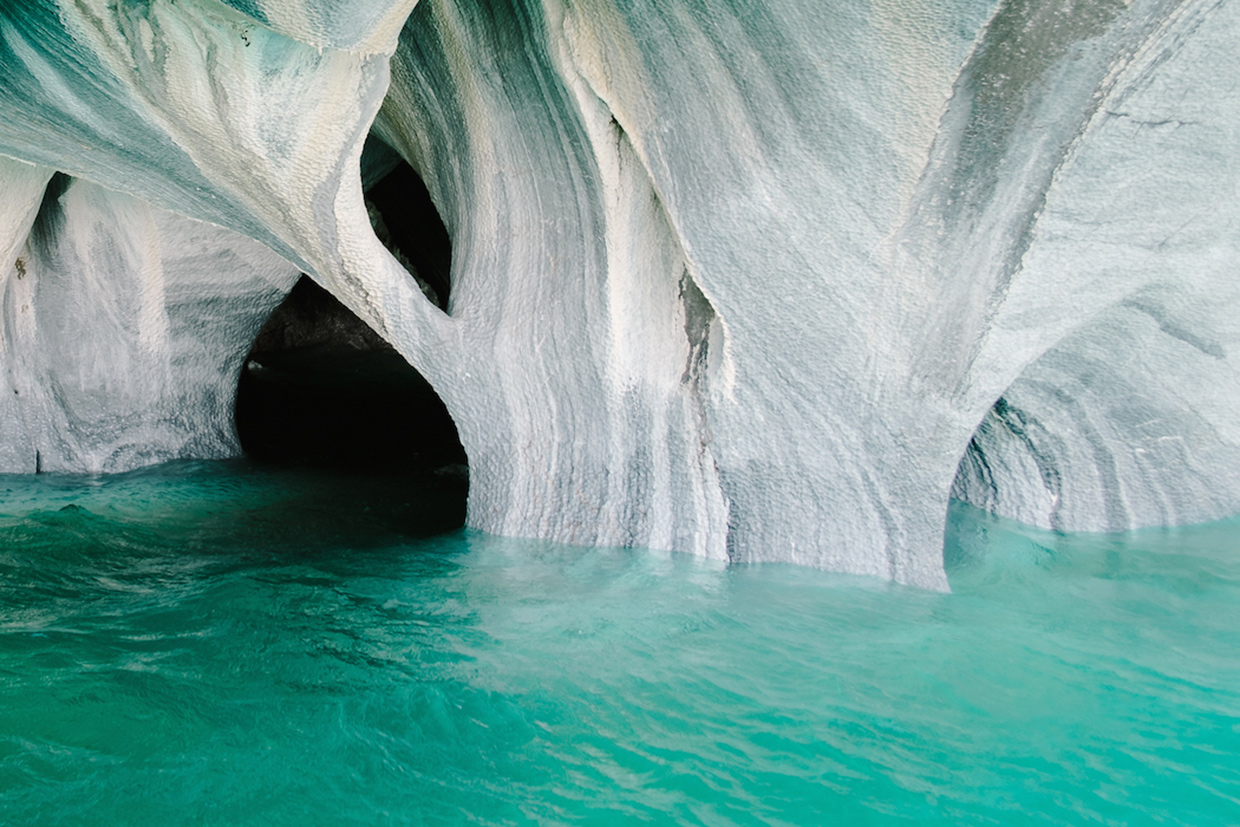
[(406, 221), (47, 224), (320, 389)]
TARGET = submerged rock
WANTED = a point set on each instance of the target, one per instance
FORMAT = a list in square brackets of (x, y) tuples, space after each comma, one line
[(739, 279)]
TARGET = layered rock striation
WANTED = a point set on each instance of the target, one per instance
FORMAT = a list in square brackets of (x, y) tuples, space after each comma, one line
[(761, 280)]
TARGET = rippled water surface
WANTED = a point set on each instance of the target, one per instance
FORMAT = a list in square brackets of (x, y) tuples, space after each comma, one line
[(220, 644)]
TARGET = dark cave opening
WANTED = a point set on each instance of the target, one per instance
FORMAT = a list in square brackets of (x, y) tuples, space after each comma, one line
[(50, 218), (405, 219), (320, 390)]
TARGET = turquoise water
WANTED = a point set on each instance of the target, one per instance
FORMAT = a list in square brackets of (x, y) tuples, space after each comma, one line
[(222, 644)]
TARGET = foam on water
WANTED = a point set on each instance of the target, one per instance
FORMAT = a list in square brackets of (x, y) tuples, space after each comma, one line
[(220, 644)]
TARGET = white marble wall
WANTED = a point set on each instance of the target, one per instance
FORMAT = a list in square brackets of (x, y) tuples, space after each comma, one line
[(740, 278)]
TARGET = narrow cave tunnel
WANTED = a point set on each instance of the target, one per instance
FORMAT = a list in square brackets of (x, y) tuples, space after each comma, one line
[(321, 390)]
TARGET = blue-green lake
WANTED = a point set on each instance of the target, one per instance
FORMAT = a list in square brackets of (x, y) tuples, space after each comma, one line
[(224, 644)]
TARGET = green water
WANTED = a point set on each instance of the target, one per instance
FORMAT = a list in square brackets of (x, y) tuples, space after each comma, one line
[(219, 644)]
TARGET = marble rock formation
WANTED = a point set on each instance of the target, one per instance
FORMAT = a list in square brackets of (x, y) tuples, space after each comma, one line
[(753, 279)]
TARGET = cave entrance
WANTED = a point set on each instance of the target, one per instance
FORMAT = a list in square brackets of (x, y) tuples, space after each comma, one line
[(321, 390)]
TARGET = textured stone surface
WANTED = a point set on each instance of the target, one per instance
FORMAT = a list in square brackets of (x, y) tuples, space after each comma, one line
[(738, 278), (124, 328), (1131, 418)]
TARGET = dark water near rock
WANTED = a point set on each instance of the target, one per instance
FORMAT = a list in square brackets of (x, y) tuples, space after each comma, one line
[(223, 644)]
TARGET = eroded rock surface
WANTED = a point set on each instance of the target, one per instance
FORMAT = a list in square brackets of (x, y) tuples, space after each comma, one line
[(740, 279)]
